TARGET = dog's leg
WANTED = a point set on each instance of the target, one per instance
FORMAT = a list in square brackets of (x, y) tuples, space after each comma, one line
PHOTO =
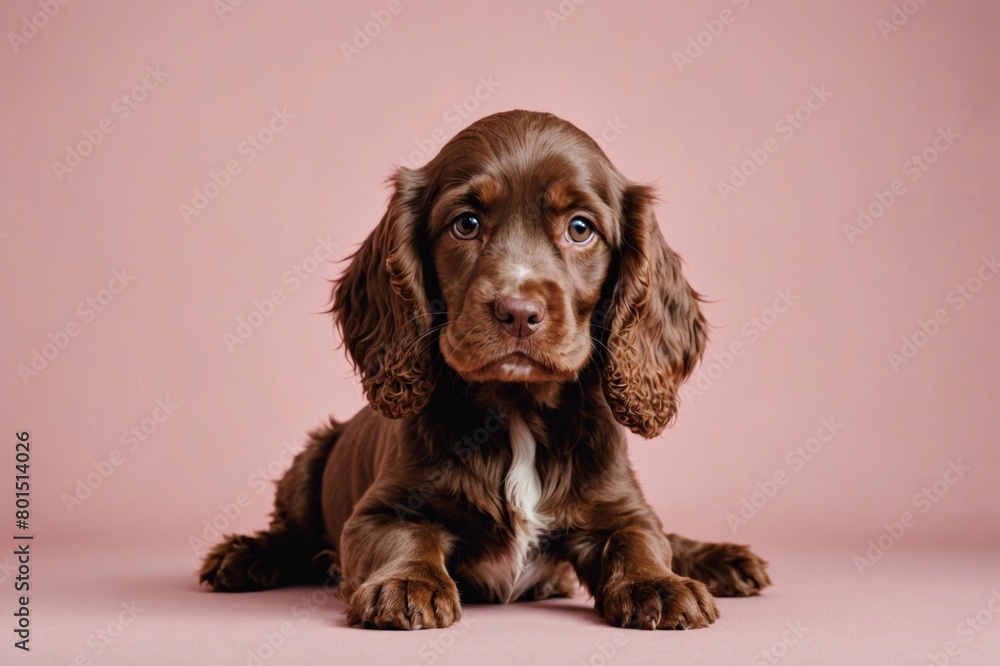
[(395, 576), (293, 549), (626, 566), (728, 569)]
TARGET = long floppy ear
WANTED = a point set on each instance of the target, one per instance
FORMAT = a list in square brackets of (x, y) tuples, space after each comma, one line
[(656, 331), (380, 305)]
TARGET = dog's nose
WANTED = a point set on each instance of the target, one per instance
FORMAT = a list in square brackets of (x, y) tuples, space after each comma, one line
[(518, 316)]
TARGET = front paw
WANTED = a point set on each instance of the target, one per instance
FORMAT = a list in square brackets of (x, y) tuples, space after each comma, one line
[(665, 603), (405, 602)]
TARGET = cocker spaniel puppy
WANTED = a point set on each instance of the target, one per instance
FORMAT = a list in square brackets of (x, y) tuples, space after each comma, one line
[(515, 307)]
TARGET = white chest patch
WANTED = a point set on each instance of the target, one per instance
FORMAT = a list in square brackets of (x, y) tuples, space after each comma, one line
[(510, 576), (524, 491)]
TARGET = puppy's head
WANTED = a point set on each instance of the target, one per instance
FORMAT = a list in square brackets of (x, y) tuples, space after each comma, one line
[(522, 255)]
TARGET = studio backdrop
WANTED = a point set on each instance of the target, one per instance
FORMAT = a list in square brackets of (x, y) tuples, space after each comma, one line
[(182, 181)]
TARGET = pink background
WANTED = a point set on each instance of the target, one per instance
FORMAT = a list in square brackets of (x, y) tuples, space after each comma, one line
[(611, 70)]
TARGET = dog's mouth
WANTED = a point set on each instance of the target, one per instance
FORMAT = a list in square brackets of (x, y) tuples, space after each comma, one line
[(516, 367), (484, 356)]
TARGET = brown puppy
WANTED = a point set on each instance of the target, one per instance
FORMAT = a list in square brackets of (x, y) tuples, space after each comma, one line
[(516, 303)]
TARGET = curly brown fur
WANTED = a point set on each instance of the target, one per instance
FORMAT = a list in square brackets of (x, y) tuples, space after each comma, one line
[(514, 308), (657, 333), (380, 307)]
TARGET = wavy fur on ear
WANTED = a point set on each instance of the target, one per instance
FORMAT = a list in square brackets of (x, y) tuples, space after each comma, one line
[(380, 305), (656, 332)]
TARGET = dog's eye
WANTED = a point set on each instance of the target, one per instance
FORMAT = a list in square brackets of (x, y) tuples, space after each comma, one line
[(466, 227), (580, 231)]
